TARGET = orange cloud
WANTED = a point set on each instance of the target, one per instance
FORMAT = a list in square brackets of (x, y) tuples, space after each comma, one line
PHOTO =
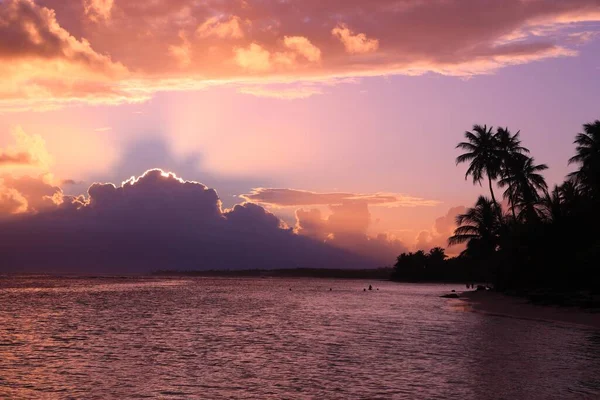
[(253, 58), (304, 47), (27, 151), (182, 52), (215, 26), (28, 195), (96, 9), (53, 52), (21, 158), (11, 201), (39, 60), (354, 43)]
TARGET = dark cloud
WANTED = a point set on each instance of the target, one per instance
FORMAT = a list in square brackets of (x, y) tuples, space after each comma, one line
[(157, 221), (69, 182), (154, 151)]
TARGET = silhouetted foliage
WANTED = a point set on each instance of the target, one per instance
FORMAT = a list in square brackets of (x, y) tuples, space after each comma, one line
[(548, 240), (481, 152), (587, 157), (434, 266)]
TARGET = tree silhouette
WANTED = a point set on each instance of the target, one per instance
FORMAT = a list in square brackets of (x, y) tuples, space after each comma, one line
[(549, 250), (525, 183), (511, 155), (437, 255), (481, 152), (479, 226), (588, 158)]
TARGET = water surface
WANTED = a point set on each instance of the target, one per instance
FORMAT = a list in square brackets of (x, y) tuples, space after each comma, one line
[(201, 338)]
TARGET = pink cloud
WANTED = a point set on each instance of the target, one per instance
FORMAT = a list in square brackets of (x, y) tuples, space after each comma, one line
[(295, 197), (28, 195), (287, 92), (55, 52), (346, 228), (438, 235)]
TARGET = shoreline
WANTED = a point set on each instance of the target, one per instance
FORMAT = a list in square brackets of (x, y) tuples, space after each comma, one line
[(498, 304)]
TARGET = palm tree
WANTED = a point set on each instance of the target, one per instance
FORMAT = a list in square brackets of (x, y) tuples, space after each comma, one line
[(553, 206), (570, 195), (563, 201), (478, 226), (588, 158), (482, 155), (509, 144), (510, 153), (437, 255), (524, 184)]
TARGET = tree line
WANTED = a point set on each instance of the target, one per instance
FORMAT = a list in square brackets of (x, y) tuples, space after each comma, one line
[(543, 238)]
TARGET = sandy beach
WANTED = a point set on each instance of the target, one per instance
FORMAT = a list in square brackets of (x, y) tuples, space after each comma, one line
[(517, 307)]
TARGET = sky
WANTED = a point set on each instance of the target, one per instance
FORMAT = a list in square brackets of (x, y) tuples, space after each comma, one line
[(339, 118)]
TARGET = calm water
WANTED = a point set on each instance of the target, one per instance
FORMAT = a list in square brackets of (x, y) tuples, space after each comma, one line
[(254, 338)]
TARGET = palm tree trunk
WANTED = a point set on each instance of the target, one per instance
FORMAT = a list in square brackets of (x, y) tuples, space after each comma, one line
[(492, 191)]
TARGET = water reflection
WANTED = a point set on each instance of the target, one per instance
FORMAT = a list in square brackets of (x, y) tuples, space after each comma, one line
[(254, 338)]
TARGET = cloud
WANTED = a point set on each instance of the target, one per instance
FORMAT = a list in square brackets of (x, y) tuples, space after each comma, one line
[(11, 201), (253, 58), (182, 52), (215, 26), (27, 195), (98, 9), (287, 92), (294, 197), (304, 47), (42, 62), (442, 229), (55, 52), (21, 158), (154, 221), (346, 228), (28, 151), (354, 43), (348, 221), (69, 182)]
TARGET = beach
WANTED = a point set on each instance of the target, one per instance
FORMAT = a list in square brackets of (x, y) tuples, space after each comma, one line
[(494, 303)]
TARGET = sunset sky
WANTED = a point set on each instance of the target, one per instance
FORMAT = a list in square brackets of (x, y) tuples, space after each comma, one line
[(358, 103)]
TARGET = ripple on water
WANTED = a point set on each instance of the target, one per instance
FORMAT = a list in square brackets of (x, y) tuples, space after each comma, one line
[(254, 338)]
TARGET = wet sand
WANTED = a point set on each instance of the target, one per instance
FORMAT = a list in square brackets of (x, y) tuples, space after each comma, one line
[(494, 303)]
